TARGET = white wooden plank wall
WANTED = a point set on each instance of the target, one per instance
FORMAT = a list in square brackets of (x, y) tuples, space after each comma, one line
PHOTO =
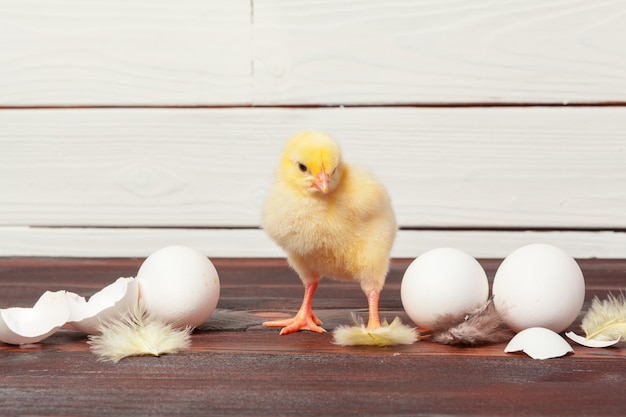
[(130, 125)]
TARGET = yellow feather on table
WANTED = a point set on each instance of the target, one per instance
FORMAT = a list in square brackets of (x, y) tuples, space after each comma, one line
[(138, 333), (333, 220), (606, 319), (388, 334)]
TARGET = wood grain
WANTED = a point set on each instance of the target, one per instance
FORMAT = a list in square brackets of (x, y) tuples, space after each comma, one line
[(329, 52), (237, 367), (164, 156), (125, 53), (268, 52), (470, 167), (235, 243)]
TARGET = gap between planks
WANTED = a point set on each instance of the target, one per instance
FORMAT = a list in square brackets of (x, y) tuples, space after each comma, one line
[(324, 105)]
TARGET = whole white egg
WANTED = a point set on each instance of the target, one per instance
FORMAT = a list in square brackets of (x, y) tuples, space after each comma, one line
[(539, 285), (443, 281), (179, 285)]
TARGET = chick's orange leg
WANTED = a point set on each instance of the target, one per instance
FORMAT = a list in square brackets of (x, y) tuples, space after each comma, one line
[(305, 319), (372, 301)]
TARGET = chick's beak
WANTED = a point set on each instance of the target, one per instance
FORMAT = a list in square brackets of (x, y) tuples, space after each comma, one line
[(321, 182)]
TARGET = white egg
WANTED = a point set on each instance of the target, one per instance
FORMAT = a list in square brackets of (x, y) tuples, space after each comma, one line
[(440, 282), (179, 285), (539, 343), (539, 285), (20, 325)]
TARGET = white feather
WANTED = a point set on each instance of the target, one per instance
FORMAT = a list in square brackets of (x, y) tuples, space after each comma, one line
[(137, 333), (606, 319), (395, 333)]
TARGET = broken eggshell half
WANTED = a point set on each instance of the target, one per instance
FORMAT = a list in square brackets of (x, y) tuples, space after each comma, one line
[(20, 325), (539, 343), (592, 343), (112, 301)]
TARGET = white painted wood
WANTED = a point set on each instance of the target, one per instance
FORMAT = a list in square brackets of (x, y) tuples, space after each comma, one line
[(406, 51), (232, 52), (124, 52), (463, 167), (219, 243)]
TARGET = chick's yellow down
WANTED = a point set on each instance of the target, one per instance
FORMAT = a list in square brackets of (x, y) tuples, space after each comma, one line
[(333, 220)]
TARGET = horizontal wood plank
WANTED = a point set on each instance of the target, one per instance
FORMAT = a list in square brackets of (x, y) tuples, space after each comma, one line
[(244, 243), (321, 52), (235, 366), (267, 52), (124, 52), (455, 167)]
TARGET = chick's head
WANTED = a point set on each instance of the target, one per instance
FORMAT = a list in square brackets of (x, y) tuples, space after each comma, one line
[(311, 162)]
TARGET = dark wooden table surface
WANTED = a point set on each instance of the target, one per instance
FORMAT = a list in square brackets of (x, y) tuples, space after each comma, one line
[(237, 367)]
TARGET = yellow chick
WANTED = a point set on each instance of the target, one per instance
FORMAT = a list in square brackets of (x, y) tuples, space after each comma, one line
[(333, 220)]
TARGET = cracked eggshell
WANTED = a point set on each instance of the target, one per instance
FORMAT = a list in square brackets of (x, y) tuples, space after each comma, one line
[(179, 285), (539, 343), (592, 343), (20, 325), (109, 303)]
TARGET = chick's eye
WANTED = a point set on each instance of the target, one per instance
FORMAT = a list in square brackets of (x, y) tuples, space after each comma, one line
[(302, 167)]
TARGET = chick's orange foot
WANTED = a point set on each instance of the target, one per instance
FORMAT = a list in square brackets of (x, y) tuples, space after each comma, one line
[(301, 321)]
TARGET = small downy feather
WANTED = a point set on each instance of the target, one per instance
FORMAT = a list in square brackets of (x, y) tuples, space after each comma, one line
[(138, 333), (395, 333), (479, 327), (606, 319)]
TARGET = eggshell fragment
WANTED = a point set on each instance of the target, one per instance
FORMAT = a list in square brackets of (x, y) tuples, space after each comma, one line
[(20, 325), (592, 343), (109, 303), (539, 343), (179, 285)]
